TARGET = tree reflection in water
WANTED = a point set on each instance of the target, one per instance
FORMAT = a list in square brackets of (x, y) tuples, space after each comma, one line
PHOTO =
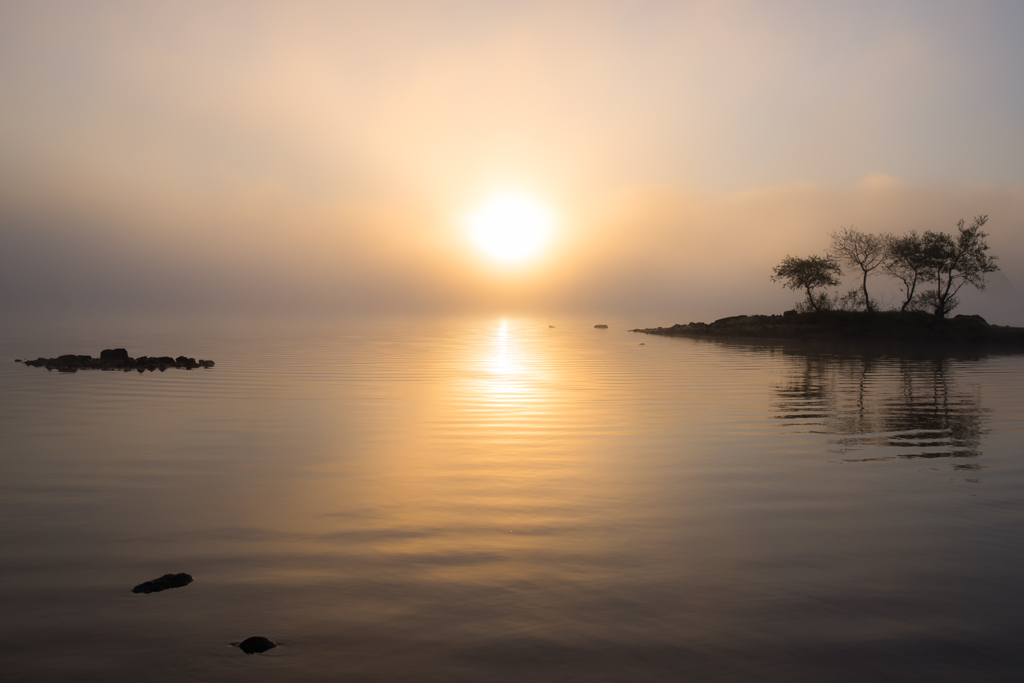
[(883, 407)]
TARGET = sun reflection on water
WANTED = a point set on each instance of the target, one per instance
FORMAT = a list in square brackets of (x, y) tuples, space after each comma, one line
[(511, 375), (501, 358)]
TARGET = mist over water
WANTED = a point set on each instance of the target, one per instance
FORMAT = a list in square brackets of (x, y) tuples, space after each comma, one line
[(649, 254), (497, 499)]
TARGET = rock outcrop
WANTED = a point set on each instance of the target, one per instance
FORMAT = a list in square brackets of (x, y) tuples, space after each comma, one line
[(117, 359), (859, 326)]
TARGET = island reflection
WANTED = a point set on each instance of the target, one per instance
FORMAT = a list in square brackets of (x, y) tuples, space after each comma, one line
[(883, 407)]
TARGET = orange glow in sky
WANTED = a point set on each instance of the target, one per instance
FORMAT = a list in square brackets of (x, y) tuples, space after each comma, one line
[(501, 157)]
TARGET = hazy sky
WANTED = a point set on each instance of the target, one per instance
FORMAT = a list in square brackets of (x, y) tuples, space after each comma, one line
[(323, 157)]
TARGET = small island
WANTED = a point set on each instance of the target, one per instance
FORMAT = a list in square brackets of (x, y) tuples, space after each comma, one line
[(929, 269), (883, 326), (116, 359)]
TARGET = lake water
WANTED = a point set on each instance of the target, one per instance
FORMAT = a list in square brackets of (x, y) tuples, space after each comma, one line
[(499, 500)]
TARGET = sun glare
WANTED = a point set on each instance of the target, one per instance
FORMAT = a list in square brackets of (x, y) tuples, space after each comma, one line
[(511, 227)]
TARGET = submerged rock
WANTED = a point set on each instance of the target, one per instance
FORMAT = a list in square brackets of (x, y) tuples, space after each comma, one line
[(256, 645), (163, 583)]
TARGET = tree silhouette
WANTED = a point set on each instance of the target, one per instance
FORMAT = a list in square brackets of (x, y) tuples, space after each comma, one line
[(908, 263), (808, 274), (861, 250), (954, 262)]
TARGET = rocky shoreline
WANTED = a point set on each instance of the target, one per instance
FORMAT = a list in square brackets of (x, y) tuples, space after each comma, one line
[(116, 359), (886, 326)]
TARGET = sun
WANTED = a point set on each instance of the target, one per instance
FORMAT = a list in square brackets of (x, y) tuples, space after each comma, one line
[(511, 228)]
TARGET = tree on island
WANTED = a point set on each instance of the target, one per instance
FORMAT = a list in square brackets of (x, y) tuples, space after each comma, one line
[(947, 261), (954, 262), (908, 263), (861, 250), (809, 274)]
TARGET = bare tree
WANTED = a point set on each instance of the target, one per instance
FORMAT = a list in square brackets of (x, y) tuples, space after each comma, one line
[(909, 263), (861, 250), (808, 274), (955, 262)]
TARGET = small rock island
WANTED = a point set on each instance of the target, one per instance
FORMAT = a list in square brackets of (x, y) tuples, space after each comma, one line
[(117, 359), (163, 583), (877, 326)]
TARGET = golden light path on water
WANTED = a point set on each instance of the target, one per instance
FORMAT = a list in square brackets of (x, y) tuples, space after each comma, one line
[(507, 465)]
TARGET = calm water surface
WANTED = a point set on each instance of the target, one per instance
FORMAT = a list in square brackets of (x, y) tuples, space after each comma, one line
[(497, 500)]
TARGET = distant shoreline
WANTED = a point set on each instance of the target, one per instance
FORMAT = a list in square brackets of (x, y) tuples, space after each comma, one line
[(884, 326)]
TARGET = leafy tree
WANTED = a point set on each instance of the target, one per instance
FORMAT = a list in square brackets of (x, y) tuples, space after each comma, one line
[(861, 250), (908, 263), (954, 262), (808, 274)]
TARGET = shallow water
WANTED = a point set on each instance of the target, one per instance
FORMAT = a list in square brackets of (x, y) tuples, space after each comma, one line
[(497, 500)]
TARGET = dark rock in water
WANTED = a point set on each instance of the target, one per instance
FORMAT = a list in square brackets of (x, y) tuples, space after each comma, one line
[(17, 360), (256, 645), (600, 327), (163, 583), (117, 359), (118, 355)]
